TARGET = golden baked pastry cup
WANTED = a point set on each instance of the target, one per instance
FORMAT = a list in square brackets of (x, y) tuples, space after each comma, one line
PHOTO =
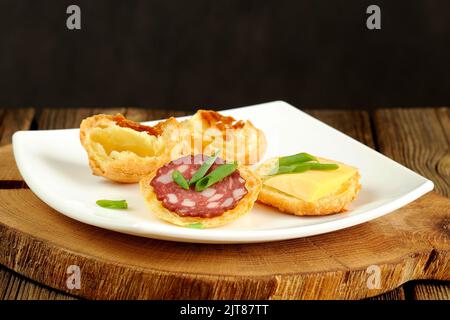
[(333, 203), (125, 151), (207, 131), (252, 184)]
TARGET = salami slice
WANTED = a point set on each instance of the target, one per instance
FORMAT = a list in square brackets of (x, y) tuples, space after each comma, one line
[(211, 202)]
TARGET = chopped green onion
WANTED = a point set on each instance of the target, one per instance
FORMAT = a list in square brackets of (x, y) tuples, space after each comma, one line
[(295, 159), (215, 176), (279, 170), (302, 167), (197, 225), (179, 179), (323, 166), (203, 168), (113, 204)]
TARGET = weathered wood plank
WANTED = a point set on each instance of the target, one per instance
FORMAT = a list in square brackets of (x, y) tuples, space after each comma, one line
[(50, 118), (419, 139), (396, 294), (12, 120), (16, 287), (431, 291), (9, 174), (139, 114), (9, 123), (71, 118), (306, 268), (5, 276), (13, 286), (356, 124)]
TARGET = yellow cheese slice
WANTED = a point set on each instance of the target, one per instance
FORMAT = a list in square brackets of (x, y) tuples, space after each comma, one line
[(312, 185)]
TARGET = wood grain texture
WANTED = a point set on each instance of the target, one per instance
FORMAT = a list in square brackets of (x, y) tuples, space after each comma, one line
[(356, 124), (50, 118), (396, 294), (9, 175), (139, 114), (13, 120), (34, 235), (431, 291), (418, 139), (10, 122), (18, 287)]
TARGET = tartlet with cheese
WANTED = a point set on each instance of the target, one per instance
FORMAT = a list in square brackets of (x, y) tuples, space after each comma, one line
[(309, 193)]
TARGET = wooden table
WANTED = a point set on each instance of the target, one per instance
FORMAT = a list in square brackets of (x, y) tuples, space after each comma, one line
[(417, 138)]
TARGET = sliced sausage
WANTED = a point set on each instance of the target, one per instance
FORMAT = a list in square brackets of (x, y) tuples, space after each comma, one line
[(211, 202)]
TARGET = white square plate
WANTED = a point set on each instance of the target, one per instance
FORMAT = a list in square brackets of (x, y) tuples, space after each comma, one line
[(55, 167)]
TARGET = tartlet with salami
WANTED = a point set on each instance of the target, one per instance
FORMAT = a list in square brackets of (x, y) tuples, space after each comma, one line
[(222, 202)]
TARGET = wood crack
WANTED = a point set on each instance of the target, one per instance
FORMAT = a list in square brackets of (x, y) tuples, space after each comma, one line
[(431, 258), (331, 256), (13, 184), (372, 126)]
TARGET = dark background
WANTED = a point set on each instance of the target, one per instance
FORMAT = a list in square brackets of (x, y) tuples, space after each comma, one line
[(186, 54)]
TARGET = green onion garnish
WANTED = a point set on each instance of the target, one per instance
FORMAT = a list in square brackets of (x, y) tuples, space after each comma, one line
[(280, 170), (203, 168), (113, 204), (179, 179), (297, 167), (295, 159), (323, 166), (215, 176), (302, 167), (197, 225)]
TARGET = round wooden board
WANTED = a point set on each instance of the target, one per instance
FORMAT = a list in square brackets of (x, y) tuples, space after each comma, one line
[(40, 243)]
